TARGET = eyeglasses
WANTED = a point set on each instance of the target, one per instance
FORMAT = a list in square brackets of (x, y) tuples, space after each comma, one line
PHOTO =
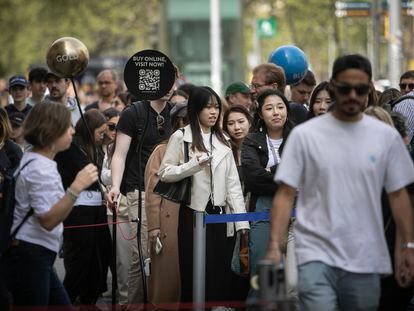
[(345, 89), (403, 86), (160, 123), (111, 126), (254, 86)]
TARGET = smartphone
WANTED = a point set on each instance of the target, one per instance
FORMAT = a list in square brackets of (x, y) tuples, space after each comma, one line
[(147, 266), (205, 158), (158, 246)]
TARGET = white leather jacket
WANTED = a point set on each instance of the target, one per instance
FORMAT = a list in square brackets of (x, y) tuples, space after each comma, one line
[(227, 188)]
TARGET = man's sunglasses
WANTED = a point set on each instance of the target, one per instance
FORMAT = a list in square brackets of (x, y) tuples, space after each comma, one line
[(111, 126), (160, 123), (345, 89), (403, 86)]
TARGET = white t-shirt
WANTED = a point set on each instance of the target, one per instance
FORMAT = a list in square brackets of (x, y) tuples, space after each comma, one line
[(340, 169), (275, 145), (39, 186)]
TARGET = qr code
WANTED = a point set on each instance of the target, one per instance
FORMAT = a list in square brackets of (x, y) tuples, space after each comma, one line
[(149, 80)]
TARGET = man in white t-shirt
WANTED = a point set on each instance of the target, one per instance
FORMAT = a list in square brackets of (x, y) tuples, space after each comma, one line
[(340, 163)]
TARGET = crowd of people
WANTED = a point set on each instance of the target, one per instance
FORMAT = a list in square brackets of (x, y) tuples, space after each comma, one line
[(331, 162)]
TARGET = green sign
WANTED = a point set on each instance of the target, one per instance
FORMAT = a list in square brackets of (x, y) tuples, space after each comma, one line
[(266, 28)]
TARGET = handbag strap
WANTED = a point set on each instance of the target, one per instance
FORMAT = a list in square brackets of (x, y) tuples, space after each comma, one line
[(211, 171), (186, 153)]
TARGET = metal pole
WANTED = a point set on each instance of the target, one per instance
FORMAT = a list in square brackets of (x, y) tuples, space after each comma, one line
[(375, 39), (199, 266), (114, 272), (394, 43), (215, 45)]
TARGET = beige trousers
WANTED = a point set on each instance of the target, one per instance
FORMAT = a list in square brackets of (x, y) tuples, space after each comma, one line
[(135, 289)]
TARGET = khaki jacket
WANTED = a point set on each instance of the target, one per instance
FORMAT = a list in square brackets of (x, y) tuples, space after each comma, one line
[(227, 188)]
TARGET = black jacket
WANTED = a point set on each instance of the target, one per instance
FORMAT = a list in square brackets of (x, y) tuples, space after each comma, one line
[(254, 158)]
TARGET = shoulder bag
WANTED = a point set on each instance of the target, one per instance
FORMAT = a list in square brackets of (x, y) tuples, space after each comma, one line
[(179, 191)]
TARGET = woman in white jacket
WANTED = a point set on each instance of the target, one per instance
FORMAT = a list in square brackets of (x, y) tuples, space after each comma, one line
[(215, 190)]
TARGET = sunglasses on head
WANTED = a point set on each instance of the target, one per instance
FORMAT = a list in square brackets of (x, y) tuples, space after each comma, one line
[(111, 126), (160, 123), (403, 86), (345, 88)]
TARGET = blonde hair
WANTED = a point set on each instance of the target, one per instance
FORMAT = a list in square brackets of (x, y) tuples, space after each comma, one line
[(379, 113), (5, 130)]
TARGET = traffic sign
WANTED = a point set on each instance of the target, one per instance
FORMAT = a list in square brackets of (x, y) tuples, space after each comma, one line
[(266, 27)]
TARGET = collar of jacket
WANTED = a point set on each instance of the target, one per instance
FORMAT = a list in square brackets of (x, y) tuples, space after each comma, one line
[(219, 152), (257, 140)]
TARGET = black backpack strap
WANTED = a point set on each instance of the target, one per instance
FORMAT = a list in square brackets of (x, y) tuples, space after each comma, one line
[(30, 212), (399, 100), (141, 126), (26, 217)]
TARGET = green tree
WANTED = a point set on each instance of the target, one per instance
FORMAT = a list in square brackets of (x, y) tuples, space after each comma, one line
[(112, 27)]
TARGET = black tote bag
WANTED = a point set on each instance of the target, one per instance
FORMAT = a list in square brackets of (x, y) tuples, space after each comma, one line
[(179, 191)]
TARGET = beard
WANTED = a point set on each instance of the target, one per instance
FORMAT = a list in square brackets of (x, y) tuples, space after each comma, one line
[(350, 108)]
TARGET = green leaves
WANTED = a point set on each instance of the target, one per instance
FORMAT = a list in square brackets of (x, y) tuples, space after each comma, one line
[(111, 27)]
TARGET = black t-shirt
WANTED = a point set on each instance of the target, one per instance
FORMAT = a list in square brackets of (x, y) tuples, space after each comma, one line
[(70, 162), (93, 105), (131, 123), (12, 108), (298, 112)]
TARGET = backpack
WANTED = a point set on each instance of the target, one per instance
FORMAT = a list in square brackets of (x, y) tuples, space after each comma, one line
[(7, 204), (394, 102)]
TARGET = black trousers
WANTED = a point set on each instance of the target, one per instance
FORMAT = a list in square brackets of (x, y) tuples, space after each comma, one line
[(86, 254), (218, 257)]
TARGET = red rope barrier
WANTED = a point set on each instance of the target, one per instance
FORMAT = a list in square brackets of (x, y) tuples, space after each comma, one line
[(115, 209), (96, 225)]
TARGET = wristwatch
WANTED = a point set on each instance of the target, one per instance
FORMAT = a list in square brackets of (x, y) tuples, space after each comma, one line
[(408, 245)]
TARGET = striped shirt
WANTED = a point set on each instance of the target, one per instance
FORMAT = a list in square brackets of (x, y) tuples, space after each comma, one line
[(406, 108)]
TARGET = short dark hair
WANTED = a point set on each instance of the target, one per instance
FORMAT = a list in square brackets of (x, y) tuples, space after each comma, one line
[(407, 75), (45, 123), (352, 61), (38, 74), (308, 79), (110, 113)]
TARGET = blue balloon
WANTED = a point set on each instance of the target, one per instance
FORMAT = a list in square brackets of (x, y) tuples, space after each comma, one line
[(292, 60)]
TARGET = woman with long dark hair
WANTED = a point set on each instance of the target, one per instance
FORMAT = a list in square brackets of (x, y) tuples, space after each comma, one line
[(320, 100), (215, 189), (236, 123), (261, 153), (86, 250)]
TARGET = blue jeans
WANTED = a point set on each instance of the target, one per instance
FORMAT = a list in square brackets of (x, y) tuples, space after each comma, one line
[(326, 288), (31, 278), (259, 234)]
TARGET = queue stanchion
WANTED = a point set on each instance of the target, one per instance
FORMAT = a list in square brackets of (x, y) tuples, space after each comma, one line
[(199, 266), (114, 237)]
